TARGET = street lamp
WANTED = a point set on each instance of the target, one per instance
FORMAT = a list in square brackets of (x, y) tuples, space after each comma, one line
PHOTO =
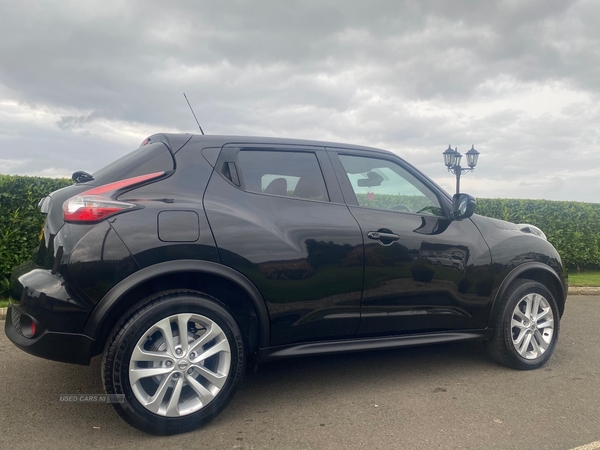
[(452, 162)]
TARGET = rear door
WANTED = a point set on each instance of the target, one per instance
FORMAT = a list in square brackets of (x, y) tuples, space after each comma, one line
[(278, 217), (423, 272)]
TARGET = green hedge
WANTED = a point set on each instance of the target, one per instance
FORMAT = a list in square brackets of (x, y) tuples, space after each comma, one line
[(572, 227), (20, 221)]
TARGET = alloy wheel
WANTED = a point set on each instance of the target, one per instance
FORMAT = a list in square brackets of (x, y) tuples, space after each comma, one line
[(179, 365), (532, 326)]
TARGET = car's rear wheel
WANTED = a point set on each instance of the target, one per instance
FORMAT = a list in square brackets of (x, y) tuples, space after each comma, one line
[(176, 362), (527, 326)]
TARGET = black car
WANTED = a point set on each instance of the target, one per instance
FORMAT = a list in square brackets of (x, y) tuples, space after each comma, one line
[(195, 257)]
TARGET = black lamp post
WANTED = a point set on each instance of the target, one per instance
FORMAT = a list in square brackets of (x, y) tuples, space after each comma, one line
[(452, 162)]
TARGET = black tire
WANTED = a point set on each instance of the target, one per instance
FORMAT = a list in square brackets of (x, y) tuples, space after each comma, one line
[(133, 333), (502, 346)]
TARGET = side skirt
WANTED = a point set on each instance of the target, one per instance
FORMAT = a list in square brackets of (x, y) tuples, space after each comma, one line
[(363, 344)]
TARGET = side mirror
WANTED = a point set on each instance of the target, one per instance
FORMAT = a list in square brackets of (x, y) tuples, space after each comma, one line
[(463, 206)]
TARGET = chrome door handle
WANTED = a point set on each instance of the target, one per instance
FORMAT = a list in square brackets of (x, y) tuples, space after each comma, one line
[(384, 238)]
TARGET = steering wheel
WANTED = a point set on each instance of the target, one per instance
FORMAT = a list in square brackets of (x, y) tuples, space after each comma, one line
[(403, 208)]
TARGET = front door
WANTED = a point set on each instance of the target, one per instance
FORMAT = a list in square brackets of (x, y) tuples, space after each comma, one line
[(423, 272)]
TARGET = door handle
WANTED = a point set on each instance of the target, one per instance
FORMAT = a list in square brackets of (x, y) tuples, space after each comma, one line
[(385, 238)]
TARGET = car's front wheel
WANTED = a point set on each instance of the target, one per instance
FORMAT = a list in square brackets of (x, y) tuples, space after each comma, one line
[(527, 326), (174, 363)]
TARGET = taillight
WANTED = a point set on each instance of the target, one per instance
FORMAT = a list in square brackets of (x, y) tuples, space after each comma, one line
[(92, 208), (99, 203)]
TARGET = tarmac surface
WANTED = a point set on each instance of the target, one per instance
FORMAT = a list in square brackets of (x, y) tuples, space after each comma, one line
[(443, 396)]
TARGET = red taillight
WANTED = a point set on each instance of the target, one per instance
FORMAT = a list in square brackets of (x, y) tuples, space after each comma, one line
[(98, 203), (92, 208)]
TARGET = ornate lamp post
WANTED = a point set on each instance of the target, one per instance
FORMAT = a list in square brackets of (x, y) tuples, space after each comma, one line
[(452, 162)]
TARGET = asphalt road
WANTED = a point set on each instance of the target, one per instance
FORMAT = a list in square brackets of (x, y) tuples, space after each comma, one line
[(444, 396)]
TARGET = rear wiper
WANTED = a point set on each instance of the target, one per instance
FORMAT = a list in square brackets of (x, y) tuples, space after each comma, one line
[(81, 177)]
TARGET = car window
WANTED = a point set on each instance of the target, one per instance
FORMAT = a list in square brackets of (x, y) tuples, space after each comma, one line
[(290, 174), (150, 158), (382, 184)]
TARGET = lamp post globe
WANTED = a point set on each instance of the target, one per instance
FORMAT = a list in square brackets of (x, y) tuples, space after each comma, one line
[(451, 157), (448, 160), (472, 157)]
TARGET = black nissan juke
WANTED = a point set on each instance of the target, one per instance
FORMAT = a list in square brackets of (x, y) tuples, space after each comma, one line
[(194, 257)]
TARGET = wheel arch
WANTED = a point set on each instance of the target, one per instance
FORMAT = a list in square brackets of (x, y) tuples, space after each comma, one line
[(203, 276), (534, 271)]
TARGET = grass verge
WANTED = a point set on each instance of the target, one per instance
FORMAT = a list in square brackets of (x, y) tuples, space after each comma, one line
[(587, 279)]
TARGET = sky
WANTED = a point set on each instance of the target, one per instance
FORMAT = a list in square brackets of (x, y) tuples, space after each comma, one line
[(83, 83)]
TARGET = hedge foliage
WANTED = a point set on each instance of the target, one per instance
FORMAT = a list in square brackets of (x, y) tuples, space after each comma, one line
[(572, 227), (20, 221)]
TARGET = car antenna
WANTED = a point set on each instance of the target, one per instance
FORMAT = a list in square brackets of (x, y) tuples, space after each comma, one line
[(194, 114)]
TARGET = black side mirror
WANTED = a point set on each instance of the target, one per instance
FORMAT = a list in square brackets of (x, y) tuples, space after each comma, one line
[(463, 206)]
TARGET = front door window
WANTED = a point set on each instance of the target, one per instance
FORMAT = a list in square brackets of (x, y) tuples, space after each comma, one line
[(382, 184)]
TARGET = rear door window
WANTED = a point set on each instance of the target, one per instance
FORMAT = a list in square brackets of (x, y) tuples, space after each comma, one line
[(284, 173)]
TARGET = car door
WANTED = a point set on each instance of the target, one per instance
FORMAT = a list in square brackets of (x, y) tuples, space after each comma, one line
[(278, 217), (423, 271)]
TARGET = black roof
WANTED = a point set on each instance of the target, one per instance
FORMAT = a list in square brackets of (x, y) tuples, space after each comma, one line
[(177, 140)]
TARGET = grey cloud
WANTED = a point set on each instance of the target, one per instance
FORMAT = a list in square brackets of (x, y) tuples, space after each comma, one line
[(435, 49), (72, 122), (310, 69)]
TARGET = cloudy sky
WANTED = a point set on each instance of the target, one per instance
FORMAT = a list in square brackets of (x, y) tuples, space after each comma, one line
[(82, 83)]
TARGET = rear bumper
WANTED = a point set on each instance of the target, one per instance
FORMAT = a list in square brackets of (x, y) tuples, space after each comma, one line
[(65, 347)]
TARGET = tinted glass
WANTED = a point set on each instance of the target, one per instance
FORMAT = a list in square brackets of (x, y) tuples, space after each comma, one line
[(150, 158), (383, 184), (291, 174)]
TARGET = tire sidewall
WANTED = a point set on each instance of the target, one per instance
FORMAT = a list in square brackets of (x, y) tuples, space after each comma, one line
[(129, 335), (516, 296)]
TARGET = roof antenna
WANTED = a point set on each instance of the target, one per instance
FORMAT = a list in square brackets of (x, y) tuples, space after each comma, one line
[(188, 102)]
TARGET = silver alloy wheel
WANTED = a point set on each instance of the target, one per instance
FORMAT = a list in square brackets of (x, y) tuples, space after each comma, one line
[(175, 377), (532, 326)]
